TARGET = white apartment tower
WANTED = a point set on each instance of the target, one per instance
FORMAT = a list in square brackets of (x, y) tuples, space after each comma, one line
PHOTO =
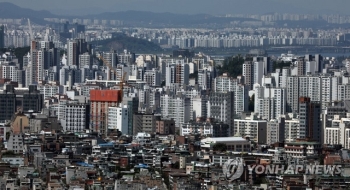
[(72, 53), (177, 108), (111, 58), (9, 72), (76, 117), (224, 83), (323, 89), (118, 118), (241, 99), (251, 128), (170, 74), (221, 107), (247, 72), (126, 58), (182, 74), (48, 90), (343, 92), (329, 90), (152, 77), (177, 73), (85, 61), (338, 132), (205, 79), (258, 72), (292, 94), (291, 131), (199, 106), (36, 69), (275, 130), (270, 103)]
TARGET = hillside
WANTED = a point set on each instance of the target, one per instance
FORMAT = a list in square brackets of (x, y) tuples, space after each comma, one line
[(9, 10), (120, 42)]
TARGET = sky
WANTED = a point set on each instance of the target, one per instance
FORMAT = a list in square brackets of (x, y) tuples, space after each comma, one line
[(84, 7)]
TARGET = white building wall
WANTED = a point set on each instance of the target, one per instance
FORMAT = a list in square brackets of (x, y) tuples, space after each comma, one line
[(258, 72), (75, 118), (224, 83), (48, 90), (118, 118), (10, 72), (177, 108), (15, 143), (291, 130)]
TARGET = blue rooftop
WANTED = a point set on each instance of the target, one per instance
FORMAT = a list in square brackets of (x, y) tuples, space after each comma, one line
[(142, 166), (107, 144), (85, 164)]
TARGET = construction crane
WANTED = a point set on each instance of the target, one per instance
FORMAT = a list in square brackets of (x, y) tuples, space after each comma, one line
[(109, 66), (30, 30), (122, 80), (121, 86)]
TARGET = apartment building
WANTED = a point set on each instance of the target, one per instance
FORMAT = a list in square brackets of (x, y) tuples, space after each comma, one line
[(176, 107), (338, 132), (100, 101), (275, 130), (256, 130), (118, 118), (76, 117), (221, 107)]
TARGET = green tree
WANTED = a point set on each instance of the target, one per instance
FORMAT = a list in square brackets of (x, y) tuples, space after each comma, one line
[(194, 75), (220, 147), (62, 52), (281, 64), (120, 42), (251, 103), (8, 153), (166, 180), (8, 136), (177, 165), (20, 52), (258, 180), (232, 65)]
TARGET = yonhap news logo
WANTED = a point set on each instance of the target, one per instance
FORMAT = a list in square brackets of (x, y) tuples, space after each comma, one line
[(296, 169), (234, 168)]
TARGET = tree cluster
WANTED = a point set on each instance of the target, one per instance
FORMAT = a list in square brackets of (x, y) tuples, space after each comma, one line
[(119, 42), (232, 66), (221, 147), (281, 64), (19, 53)]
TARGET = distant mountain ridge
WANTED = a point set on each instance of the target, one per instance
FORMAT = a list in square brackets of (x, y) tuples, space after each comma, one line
[(9, 10), (165, 18), (131, 15)]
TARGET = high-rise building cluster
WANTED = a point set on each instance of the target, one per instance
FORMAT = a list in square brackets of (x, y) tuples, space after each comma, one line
[(246, 41), (274, 17), (103, 90), (86, 21), (238, 36), (97, 113)]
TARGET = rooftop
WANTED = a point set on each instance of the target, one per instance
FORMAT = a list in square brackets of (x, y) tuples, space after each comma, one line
[(223, 139)]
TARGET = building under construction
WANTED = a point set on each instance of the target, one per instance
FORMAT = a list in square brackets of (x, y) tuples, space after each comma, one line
[(100, 101)]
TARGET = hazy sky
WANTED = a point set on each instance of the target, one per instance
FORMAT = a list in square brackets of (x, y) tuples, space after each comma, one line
[(186, 6)]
